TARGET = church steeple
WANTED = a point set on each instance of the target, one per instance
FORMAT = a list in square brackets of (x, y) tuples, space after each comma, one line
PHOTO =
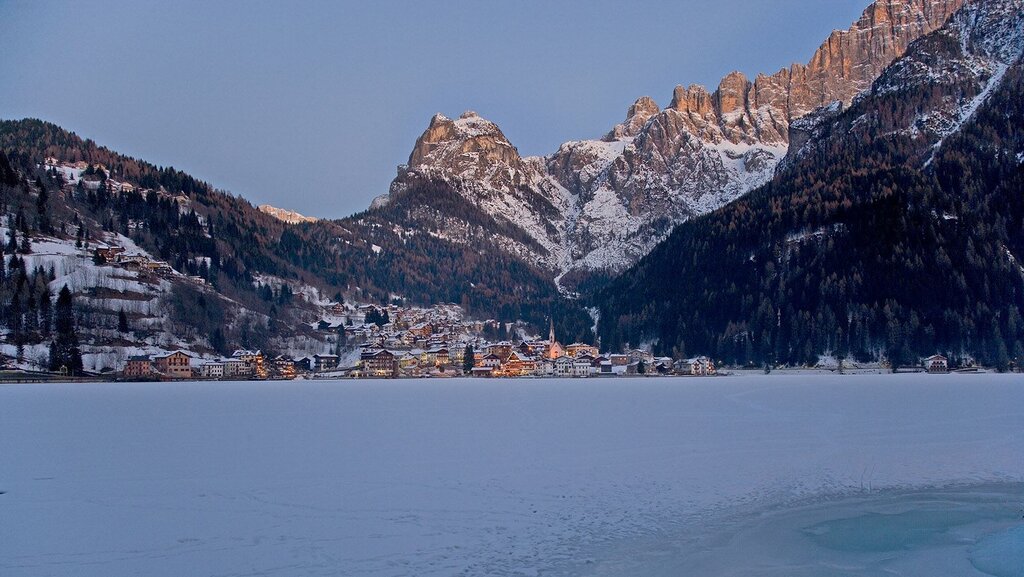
[(551, 337)]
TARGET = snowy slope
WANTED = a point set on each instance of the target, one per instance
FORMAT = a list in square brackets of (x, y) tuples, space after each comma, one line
[(429, 478)]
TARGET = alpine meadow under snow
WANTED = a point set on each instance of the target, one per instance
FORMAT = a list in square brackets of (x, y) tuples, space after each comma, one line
[(761, 475)]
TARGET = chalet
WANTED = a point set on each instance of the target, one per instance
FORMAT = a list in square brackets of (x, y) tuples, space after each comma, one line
[(304, 364), (698, 366), (140, 366), (602, 366), (380, 363), (492, 361), (519, 365), (176, 365), (109, 253), (936, 364), (325, 362)]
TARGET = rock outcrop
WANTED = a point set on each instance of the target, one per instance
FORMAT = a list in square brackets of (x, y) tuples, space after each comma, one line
[(603, 204)]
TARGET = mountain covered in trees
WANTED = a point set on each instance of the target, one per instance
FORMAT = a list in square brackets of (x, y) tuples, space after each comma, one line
[(255, 263), (894, 228)]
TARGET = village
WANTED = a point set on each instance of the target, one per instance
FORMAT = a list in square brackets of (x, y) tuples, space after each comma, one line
[(404, 349)]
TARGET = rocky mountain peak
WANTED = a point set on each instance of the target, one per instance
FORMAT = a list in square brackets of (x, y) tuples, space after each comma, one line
[(636, 117)]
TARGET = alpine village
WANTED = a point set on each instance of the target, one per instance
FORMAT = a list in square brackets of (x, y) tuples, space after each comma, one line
[(861, 211)]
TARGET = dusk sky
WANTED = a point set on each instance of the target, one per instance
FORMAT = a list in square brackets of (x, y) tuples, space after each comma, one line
[(310, 106)]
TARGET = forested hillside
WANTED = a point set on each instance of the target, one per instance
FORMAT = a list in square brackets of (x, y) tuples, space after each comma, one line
[(377, 256)]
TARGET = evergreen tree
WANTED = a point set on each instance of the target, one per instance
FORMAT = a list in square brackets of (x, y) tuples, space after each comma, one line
[(122, 322), (64, 351), (468, 361)]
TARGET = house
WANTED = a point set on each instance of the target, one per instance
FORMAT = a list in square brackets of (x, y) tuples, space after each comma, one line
[(501, 350), (304, 364), (698, 366), (563, 366), (255, 361), (936, 364), (437, 357), (519, 365), (381, 363), (482, 372), (580, 349), (210, 370), (235, 368), (137, 367), (620, 363), (176, 365), (325, 362), (491, 361), (109, 253), (581, 366), (283, 367)]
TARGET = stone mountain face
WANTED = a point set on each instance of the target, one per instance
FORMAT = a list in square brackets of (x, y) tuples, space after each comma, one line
[(603, 204)]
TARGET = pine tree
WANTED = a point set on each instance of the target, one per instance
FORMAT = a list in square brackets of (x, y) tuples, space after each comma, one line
[(467, 360), (64, 351), (122, 321)]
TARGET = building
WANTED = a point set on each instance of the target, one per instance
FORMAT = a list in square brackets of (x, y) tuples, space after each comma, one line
[(698, 366), (581, 349), (255, 361), (381, 363), (109, 253), (235, 368), (936, 364), (501, 350), (283, 367), (138, 367), (563, 366), (437, 357), (581, 366), (325, 362), (210, 370), (519, 365), (176, 365)]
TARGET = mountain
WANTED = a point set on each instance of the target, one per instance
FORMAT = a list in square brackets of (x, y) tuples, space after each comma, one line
[(893, 229), (284, 215), (599, 205), (257, 279)]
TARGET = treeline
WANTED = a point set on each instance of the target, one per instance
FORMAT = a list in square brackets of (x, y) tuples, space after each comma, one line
[(852, 251)]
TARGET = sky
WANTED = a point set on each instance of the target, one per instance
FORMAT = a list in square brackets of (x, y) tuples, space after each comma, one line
[(311, 105)]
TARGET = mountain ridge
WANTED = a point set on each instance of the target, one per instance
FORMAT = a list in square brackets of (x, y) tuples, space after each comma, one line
[(599, 205)]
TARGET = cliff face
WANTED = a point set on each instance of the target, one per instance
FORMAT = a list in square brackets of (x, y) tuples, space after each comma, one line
[(603, 204)]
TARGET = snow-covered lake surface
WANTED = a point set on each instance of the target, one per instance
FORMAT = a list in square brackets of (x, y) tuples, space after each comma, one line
[(768, 475)]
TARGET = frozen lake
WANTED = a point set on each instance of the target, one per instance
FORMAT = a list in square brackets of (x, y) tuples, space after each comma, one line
[(767, 475)]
